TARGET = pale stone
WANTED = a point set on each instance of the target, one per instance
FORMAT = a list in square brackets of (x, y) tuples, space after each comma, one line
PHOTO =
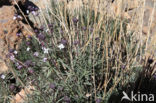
[(21, 97), (3, 67)]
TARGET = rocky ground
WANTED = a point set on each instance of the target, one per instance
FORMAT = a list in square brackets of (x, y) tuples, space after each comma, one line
[(10, 27), (13, 28)]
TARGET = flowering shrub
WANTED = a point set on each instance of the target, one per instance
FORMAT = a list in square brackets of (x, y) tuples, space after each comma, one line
[(74, 58)]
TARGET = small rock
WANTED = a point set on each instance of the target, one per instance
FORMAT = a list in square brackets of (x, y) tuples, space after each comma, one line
[(3, 67), (21, 97), (145, 30)]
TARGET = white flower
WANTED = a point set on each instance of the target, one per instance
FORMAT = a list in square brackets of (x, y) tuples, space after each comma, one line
[(17, 64), (34, 13), (12, 57), (47, 30), (36, 54), (61, 46), (28, 49), (15, 52), (14, 18), (20, 17), (17, 17), (45, 59), (46, 50), (27, 11), (3, 76)]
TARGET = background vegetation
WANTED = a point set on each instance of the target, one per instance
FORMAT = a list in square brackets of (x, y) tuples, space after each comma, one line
[(76, 57)]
